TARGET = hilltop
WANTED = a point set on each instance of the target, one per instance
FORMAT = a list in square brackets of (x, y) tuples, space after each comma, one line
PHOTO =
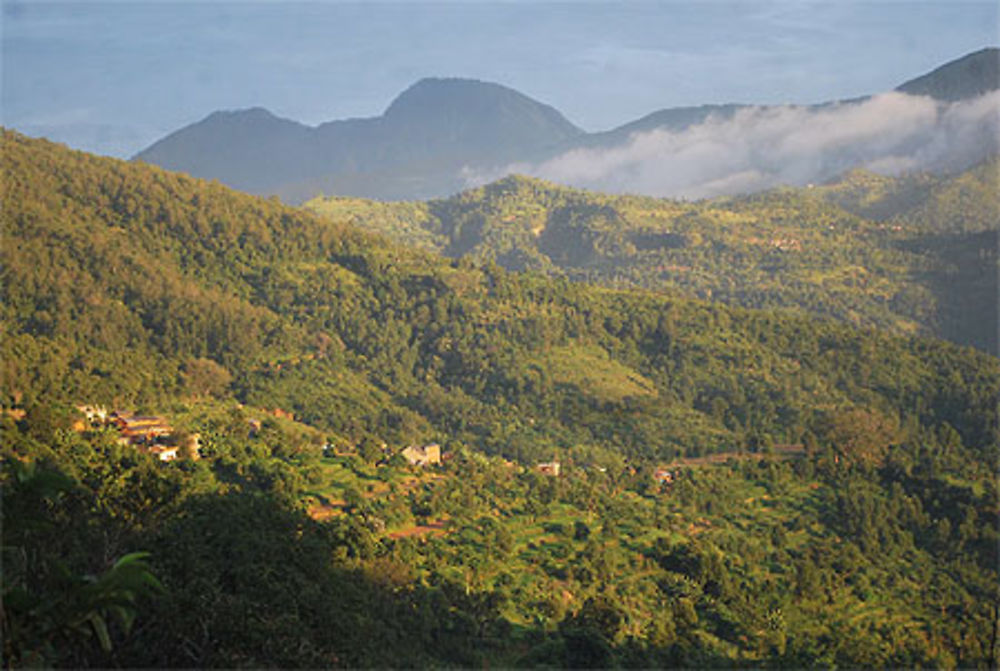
[(911, 255)]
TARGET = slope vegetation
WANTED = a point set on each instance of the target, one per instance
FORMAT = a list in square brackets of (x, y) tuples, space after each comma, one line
[(865, 546), (120, 277), (914, 255)]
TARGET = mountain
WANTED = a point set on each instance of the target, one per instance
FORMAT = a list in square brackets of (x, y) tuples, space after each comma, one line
[(943, 123), (915, 254), (245, 148), (440, 135), (968, 77), (469, 120), (428, 133), (670, 120)]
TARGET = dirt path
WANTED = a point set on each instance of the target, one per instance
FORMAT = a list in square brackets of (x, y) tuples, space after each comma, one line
[(780, 452), (429, 529)]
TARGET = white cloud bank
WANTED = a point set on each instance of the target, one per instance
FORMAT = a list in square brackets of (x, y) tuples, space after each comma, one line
[(763, 147)]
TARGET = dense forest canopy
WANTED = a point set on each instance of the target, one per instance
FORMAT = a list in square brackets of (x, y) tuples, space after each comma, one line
[(119, 278), (738, 487), (912, 255)]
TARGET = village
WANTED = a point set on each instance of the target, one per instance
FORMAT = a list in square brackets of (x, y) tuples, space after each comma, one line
[(148, 433), (154, 435)]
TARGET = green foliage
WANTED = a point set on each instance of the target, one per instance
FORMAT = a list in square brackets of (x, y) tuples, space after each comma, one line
[(205, 377), (133, 287), (915, 254), (155, 285), (51, 609)]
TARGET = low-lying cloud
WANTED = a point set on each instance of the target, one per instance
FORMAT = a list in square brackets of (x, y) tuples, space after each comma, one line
[(763, 147)]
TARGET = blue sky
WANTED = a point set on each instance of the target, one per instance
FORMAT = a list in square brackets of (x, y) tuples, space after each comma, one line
[(114, 77)]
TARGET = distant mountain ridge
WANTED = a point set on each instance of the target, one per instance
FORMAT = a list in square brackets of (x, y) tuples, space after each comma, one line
[(430, 128), (438, 132), (968, 77)]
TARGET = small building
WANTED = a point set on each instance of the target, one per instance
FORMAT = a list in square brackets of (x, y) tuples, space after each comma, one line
[(93, 413), (548, 468), (663, 475), (163, 452), (141, 429), (423, 456)]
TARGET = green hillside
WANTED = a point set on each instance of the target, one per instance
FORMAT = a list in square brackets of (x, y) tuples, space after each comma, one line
[(914, 255), (120, 278), (842, 520)]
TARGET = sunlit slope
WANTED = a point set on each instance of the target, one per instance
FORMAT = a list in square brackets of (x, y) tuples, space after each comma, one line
[(914, 255), (121, 281)]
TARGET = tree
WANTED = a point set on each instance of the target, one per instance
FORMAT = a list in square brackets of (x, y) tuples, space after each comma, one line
[(861, 435), (204, 377), (50, 609)]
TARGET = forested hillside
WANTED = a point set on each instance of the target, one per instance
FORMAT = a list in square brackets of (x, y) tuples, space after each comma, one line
[(910, 255), (120, 279), (844, 524)]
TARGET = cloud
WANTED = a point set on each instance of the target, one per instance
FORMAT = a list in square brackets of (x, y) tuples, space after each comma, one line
[(763, 147)]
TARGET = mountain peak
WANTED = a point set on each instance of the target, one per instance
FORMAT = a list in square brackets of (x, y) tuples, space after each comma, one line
[(249, 116), (436, 100), (970, 76), (251, 112), (450, 92)]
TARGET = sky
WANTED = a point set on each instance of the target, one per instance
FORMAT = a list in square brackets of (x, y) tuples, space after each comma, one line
[(114, 77)]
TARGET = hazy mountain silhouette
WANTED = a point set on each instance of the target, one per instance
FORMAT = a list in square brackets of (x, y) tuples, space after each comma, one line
[(438, 132), (430, 131), (968, 77)]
